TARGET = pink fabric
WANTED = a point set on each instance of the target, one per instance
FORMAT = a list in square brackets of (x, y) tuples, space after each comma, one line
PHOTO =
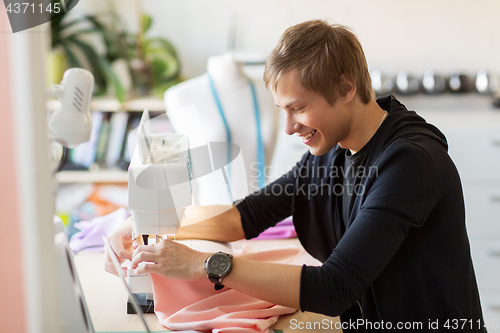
[(195, 305)]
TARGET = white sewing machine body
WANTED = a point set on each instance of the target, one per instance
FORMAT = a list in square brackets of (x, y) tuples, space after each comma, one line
[(159, 180), (159, 191)]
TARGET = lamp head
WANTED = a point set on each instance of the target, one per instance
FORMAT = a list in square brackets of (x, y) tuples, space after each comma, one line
[(71, 123)]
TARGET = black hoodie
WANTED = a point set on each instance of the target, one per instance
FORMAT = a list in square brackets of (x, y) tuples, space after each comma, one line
[(403, 253)]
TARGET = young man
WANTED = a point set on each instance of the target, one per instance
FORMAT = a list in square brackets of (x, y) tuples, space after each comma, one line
[(377, 199)]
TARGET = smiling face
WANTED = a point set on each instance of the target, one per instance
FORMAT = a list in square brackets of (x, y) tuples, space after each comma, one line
[(308, 115)]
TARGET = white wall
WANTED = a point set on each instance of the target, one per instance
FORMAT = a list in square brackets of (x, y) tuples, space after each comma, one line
[(414, 35)]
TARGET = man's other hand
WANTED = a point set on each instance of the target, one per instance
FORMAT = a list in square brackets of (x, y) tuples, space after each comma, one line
[(123, 244)]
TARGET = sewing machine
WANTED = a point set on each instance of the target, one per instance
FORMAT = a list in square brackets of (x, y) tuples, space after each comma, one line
[(159, 192)]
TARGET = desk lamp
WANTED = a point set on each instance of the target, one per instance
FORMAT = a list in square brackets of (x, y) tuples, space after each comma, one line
[(71, 125)]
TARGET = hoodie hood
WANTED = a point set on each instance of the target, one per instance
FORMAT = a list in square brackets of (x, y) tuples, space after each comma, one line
[(403, 124)]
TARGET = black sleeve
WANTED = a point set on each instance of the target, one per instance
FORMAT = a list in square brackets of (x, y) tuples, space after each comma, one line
[(271, 204), (400, 197)]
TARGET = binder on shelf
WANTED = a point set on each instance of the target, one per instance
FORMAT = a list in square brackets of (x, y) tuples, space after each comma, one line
[(130, 141), (103, 140), (119, 121)]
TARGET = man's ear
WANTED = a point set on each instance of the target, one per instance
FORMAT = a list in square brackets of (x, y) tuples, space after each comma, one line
[(347, 88)]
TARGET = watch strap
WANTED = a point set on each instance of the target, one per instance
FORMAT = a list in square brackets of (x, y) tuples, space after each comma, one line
[(217, 284), (213, 279)]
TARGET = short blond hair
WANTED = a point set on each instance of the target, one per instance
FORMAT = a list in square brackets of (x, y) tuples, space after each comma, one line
[(322, 52)]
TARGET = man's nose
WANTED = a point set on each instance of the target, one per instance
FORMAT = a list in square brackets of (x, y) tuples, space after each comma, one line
[(291, 124)]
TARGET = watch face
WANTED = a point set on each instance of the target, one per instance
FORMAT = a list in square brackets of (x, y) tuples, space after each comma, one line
[(218, 264)]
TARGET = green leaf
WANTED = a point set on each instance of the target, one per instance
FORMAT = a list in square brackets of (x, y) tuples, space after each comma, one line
[(72, 59), (170, 68), (159, 50), (83, 32), (58, 30), (119, 90), (70, 4), (158, 67), (95, 21), (93, 60), (146, 23), (164, 43), (65, 26)]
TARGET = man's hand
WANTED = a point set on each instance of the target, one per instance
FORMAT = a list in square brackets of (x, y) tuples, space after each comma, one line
[(170, 259), (216, 223), (123, 244), (279, 285)]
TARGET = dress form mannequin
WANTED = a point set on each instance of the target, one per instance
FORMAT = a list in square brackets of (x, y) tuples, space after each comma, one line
[(195, 98)]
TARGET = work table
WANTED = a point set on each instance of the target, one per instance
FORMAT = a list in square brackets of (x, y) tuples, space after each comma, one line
[(106, 297)]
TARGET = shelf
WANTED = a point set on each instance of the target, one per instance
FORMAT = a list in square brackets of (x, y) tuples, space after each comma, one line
[(101, 176), (108, 104), (448, 103), (153, 104)]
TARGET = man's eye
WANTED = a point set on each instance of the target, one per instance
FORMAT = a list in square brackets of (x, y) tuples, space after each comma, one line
[(299, 109)]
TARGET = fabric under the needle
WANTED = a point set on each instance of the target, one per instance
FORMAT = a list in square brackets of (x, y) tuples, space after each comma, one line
[(195, 305)]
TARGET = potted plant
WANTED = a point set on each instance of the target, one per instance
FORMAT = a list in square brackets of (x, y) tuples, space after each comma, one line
[(70, 49), (156, 63), (152, 62)]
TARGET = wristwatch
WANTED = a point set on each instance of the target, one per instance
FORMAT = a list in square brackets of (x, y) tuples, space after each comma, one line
[(218, 266)]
